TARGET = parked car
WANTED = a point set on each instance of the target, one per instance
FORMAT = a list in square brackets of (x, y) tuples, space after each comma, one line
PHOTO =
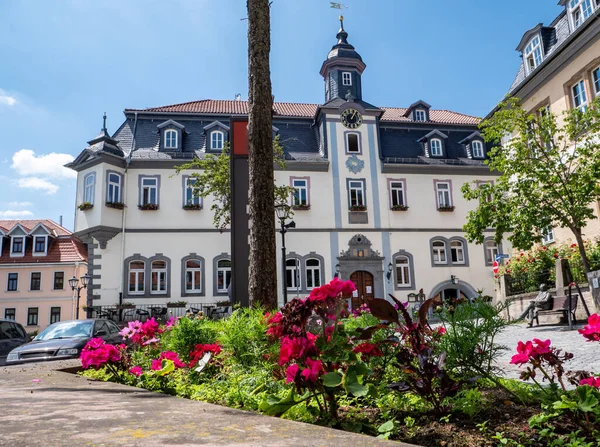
[(12, 334), (64, 340)]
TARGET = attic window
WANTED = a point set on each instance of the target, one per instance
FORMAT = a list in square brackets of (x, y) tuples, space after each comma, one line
[(18, 246), (171, 139), (216, 140), (533, 54), (477, 149), (420, 115), (346, 78), (39, 245), (436, 147), (580, 10)]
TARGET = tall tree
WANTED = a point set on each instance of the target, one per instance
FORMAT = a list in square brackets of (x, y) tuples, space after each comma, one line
[(263, 267), (549, 172)]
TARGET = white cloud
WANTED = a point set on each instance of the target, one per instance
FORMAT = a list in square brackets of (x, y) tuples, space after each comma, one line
[(6, 99), (19, 204), (15, 214), (37, 183), (25, 162)]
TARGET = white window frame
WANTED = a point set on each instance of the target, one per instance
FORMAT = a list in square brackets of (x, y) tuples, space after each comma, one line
[(440, 256), (596, 81), (580, 11), (293, 265), (217, 140), (434, 153), (301, 189), (137, 273), (192, 271), (346, 78), (579, 96), (356, 187), (358, 147), (34, 249), (402, 271), (548, 235), (89, 187), (457, 250), (171, 139), (113, 196), (491, 251), (398, 191), (148, 187), (223, 272), (190, 188), (420, 115), (443, 193), (477, 149), (161, 287), (313, 272), (14, 253), (533, 54)]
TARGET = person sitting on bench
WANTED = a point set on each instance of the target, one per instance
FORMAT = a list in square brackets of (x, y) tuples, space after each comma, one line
[(543, 301)]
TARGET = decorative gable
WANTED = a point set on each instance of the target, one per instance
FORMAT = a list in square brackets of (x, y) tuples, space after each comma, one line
[(217, 134), (474, 146), (170, 136), (418, 111), (434, 144)]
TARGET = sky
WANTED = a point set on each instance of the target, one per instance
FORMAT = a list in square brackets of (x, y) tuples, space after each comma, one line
[(63, 63)]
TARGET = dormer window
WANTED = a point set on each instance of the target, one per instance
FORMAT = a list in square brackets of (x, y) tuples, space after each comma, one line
[(580, 10), (420, 115), (39, 245), (346, 78), (477, 148), (217, 139), (171, 139), (533, 54), (18, 246), (436, 147)]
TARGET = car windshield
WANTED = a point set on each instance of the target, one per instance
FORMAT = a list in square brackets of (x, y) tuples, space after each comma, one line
[(66, 329)]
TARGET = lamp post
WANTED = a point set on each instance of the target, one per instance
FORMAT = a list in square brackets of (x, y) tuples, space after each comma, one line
[(283, 211), (85, 280)]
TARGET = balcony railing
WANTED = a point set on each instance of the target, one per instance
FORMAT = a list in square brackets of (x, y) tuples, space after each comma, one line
[(161, 312)]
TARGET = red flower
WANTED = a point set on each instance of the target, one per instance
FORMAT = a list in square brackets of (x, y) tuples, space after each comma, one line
[(556, 255), (136, 371), (592, 330), (542, 347), (200, 350), (573, 245), (591, 381), (275, 328), (295, 348), (170, 355), (314, 370), (96, 353), (524, 351), (291, 373), (368, 350)]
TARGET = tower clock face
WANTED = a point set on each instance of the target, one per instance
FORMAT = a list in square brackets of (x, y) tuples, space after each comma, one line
[(351, 118)]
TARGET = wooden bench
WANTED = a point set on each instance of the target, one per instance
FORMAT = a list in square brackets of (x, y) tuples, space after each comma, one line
[(560, 306)]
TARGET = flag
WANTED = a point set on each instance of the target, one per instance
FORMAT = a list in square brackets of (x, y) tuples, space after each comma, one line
[(336, 5)]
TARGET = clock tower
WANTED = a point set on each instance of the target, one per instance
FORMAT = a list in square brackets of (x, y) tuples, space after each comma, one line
[(342, 70)]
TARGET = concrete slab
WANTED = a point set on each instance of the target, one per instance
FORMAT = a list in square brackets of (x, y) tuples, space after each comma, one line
[(43, 406)]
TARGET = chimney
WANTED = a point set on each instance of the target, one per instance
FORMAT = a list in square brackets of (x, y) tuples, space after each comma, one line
[(238, 97), (60, 220)]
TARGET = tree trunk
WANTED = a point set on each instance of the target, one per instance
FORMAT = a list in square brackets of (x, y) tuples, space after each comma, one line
[(263, 267), (584, 259)]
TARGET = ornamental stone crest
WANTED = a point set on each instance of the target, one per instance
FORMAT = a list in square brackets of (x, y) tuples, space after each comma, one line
[(355, 164)]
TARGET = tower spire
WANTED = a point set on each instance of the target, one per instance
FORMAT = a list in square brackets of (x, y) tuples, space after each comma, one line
[(342, 35), (104, 123)]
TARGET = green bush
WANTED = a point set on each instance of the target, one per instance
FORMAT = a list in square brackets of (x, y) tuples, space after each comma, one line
[(187, 333)]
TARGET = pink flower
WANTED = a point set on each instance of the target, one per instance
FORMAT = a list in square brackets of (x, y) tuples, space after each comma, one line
[(149, 342), (156, 365), (441, 330), (542, 347), (314, 370), (368, 350), (524, 351), (94, 343), (171, 322), (591, 381), (136, 371), (291, 373), (96, 353), (592, 330), (295, 348), (200, 350), (170, 355)]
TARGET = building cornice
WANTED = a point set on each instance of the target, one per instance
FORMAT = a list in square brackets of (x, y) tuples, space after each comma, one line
[(399, 168)]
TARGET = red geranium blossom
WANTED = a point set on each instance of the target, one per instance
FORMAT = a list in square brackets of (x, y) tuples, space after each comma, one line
[(592, 330), (97, 353), (136, 371), (314, 370), (368, 350), (200, 350), (291, 373), (591, 381)]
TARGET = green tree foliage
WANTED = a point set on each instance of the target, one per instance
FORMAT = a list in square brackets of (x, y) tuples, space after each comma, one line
[(549, 170), (213, 179)]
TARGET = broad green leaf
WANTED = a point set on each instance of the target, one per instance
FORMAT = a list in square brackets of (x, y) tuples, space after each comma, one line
[(353, 386), (386, 427), (276, 406), (167, 367), (332, 379), (586, 401)]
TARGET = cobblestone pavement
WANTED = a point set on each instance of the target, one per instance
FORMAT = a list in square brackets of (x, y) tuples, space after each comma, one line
[(586, 354)]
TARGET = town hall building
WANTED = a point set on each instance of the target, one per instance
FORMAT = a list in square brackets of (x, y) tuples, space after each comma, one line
[(377, 197)]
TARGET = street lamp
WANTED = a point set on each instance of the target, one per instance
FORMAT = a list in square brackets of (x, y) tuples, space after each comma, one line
[(283, 211), (454, 279), (85, 280)]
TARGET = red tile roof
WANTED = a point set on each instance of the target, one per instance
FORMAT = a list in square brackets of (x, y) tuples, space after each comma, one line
[(7, 225), (296, 110)]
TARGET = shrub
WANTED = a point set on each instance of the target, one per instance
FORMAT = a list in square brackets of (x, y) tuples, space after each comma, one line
[(188, 333)]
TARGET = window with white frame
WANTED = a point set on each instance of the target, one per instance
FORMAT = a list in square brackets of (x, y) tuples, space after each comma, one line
[(436, 147), (217, 139), (580, 10), (596, 81), (17, 247), (149, 191), (352, 143), (313, 273), (158, 277), (356, 191), (397, 193), (171, 139), (548, 235), (113, 190), (420, 115), (193, 276), (457, 252), (300, 194), (136, 277), (491, 251), (292, 273), (533, 54), (39, 244), (580, 100), (192, 192), (477, 149), (403, 271), (223, 275), (439, 252), (89, 183), (444, 198), (346, 78)]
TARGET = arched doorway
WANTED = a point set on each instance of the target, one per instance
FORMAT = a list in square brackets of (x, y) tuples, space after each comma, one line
[(364, 288), (449, 291)]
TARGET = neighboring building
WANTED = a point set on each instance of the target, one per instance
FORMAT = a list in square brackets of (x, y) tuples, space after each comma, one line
[(37, 259), (561, 71), (378, 192)]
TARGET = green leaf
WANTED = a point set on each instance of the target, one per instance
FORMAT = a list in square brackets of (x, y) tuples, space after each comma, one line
[(386, 427), (586, 401), (360, 369), (276, 406), (167, 367), (332, 379), (354, 427), (353, 386)]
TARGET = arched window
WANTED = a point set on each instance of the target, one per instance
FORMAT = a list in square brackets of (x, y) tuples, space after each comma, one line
[(171, 139), (223, 275), (292, 273), (193, 276), (158, 276), (217, 139), (477, 149), (491, 251), (457, 252), (89, 182), (439, 252), (136, 277), (403, 271), (313, 273), (436, 147)]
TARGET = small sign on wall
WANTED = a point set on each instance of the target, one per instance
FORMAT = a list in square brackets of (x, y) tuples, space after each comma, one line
[(355, 293), (369, 289), (595, 283)]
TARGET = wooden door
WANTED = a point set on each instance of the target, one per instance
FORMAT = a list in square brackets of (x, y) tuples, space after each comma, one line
[(364, 288)]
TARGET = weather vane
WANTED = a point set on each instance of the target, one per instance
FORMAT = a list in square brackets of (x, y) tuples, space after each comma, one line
[(339, 6)]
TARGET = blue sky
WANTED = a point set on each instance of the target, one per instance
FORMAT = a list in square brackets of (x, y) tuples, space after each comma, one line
[(65, 62)]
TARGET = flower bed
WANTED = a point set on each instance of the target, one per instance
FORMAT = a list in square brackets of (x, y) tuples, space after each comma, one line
[(85, 206), (148, 207), (380, 371), (115, 205)]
